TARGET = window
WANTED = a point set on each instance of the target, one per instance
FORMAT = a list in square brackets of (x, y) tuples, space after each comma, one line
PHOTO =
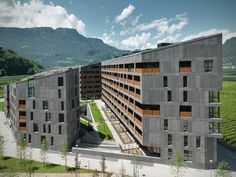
[(29, 138), (52, 141), (185, 140), (43, 138), (60, 130), (184, 64), (214, 96), (31, 116), (169, 153), (72, 103), (208, 65), (185, 81), (48, 116), (165, 124), (49, 128), (45, 104), (62, 105), (198, 141), (76, 91), (214, 112), (36, 128), (169, 98), (185, 125), (60, 81), (33, 104), (44, 128), (169, 139), (185, 109), (31, 88), (185, 96), (61, 117), (165, 81), (214, 127), (76, 80), (187, 155), (59, 93)]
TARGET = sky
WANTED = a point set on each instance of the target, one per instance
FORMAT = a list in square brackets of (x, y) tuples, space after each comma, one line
[(126, 24)]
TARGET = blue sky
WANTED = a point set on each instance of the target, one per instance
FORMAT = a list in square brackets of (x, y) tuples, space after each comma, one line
[(126, 24)]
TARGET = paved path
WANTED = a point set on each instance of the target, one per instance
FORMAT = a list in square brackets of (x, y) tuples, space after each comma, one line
[(100, 104), (93, 162)]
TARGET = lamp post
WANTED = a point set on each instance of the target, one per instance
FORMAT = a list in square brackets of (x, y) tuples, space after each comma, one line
[(211, 166)]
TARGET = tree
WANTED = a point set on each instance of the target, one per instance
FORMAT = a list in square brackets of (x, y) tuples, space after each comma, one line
[(64, 153), (31, 71), (21, 148), (43, 149), (103, 165), (3, 72), (223, 169), (135, 162), (77, 165), (29, 168), (177, 164)]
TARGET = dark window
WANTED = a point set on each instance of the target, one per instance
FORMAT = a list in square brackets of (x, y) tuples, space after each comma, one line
[(185, 81), (60, 81), (33, 104), (214, 127), (169, 153), (214, 96), (36, 128), (59, 129), (52, 141), (44, 128), (72, 103), (48, 116), (165, 81), (169, 98), (42, 138), (185, 64), (198, 141), (59, 93), (185, 109), (148, 65), (187, 155), (169, 139), (49, 128), (29, 138), (61, 117), (165, 124), (185, 96), (214, 112), (31, 116), (76, 80), (62, 105), (208, 65), (45, 104), (31, 88), (76, 91), (185, 140), (185, 125)]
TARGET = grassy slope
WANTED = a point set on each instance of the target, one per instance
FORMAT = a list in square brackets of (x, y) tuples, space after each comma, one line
[(96, 113), (104, 131), (1, 106), (13, 165), (228, 113)]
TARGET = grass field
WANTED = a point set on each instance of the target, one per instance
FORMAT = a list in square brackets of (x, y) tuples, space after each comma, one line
[(9, 79), (228, 112), (96, 113), (13, 165), (1, 106), (104, 131)]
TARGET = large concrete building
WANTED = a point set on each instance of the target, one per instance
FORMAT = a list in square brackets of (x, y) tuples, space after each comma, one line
[(168, 98), (45, 106)]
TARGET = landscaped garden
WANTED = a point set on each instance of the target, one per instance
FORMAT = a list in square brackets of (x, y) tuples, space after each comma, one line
[(1, 106)]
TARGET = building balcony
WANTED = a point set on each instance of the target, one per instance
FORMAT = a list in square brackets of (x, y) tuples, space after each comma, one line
[(22, 129), (185, 114), (138, 122), (147, 70), (137, 83), (148, 112), (138, 136), (22, 117), (137, 96), (22, 106), (185, 69)]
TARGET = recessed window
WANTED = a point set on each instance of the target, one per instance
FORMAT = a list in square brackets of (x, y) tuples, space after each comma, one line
[(33, 104), (49, 128), (185, 64), (35, 127), (198, 141), (45, 104), (165, 124), (44, 128), (48, 116), (59, 93), (185, 96), (52, 141), (59, 129), (29, 138), (169, 153), (185, 81), (61, 117), (169, 97), (72, 103), (60, 81), (187, 155), (62, 105), (169, 139), (31, 116), (208, 65), (185, 125), (165, 81), (76, 91), (185, 140)]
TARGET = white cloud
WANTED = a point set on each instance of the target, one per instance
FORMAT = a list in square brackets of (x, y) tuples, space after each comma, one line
[(137, 41), (35, 13), (226, 34), (107, 38), (125, 13)]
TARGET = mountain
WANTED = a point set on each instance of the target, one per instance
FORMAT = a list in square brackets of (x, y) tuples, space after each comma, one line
[(12, 63), (56, 47), (229, 52)]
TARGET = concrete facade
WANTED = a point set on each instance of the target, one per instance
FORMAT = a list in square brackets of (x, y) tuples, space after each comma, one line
[(146, 91), (41, 107)]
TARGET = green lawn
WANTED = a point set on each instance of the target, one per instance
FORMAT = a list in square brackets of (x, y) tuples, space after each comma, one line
[(228, 113), (13, 165), (1, 106), (96, 113), (104, 131), (9, 79)]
